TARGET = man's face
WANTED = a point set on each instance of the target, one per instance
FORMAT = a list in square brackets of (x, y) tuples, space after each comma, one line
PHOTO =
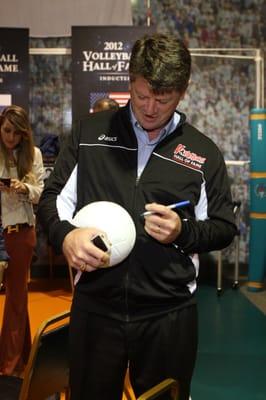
[(152, 111)]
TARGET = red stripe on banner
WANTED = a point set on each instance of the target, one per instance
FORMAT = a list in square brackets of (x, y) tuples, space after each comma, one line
[(121, 97)]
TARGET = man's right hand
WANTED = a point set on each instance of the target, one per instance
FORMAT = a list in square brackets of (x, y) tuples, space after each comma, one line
[(81, 253)]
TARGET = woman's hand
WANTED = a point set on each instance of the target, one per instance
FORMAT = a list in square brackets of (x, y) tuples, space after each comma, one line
[(19, 187), (4, 188)]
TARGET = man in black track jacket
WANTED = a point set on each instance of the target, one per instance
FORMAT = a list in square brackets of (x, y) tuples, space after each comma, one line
[(140, 314)]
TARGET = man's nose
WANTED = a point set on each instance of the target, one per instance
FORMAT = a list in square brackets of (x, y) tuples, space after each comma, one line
[(151, 106)]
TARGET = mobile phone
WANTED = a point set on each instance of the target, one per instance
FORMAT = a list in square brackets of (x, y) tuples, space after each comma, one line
[(6, 181), (100, 242)]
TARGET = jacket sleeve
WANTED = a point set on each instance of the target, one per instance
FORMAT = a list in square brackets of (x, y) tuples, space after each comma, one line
[(35, 180), (58, 200), (216, 229)]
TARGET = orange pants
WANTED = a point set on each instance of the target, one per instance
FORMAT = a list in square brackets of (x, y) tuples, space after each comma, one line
[(15, 339)]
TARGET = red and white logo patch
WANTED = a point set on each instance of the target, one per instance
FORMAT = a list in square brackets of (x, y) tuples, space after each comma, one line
[(188, 158)]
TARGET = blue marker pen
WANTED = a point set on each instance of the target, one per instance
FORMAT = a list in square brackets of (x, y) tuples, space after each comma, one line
[(171, 206)]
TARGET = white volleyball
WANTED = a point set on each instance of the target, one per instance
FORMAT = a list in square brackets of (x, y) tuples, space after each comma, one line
[(115, 221)]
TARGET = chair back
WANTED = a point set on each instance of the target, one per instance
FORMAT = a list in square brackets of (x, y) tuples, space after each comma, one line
[(47, 371), (168, 388)]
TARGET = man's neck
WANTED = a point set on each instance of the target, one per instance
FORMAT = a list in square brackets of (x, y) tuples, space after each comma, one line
[(153, 134)]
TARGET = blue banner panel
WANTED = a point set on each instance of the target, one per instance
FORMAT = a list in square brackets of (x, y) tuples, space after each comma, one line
[(257, 241), (100, 61), (258, 140), (258, 194), (257, 255), (14, 67)]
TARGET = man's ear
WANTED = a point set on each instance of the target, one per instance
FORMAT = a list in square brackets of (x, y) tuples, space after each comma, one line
[(182, 95)]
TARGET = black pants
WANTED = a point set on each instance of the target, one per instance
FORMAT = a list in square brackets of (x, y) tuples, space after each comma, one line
[(101, 349)]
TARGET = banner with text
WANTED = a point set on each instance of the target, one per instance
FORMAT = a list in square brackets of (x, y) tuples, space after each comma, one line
[(100, 61), (14, 67)]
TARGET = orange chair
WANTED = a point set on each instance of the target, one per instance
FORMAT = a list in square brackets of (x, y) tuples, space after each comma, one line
[(166, 386), (47, 370)]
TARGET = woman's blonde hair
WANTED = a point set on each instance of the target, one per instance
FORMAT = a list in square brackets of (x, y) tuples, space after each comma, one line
[(18, 117)]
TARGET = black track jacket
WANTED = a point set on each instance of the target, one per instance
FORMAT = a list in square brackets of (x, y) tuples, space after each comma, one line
[(99, 162)]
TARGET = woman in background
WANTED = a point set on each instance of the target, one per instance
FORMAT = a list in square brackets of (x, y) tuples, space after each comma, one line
[(22, 163)]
